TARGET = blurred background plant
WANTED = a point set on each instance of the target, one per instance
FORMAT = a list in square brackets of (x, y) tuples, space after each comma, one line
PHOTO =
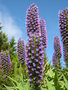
[(6, 44)]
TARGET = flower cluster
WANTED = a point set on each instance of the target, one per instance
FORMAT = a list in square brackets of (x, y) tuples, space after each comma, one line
[(5, 62), (43, 32), (21, 51), (35, 59), (57, 50), (63, 24), (32, 20)]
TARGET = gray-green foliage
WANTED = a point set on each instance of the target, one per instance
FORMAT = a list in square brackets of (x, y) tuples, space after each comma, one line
[(18, 80), (53, 79)]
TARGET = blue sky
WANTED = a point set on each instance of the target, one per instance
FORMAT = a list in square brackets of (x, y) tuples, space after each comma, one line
[(12, 16)]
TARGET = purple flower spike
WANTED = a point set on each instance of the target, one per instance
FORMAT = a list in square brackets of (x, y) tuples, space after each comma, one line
[(5, 62), (57, 47), (32, 21), (63, 25), (36, 67), (43, 32), (65, 54), (54, 59), (21, 51), (57, 52)]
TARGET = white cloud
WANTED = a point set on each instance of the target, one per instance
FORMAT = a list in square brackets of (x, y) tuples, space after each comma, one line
[(9, 25)]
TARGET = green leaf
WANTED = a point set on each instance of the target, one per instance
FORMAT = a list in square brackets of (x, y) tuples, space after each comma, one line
[(66, 82), (50, 72), (50, 85)]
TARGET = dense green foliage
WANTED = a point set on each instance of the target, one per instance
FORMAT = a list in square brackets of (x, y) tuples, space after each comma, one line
[(5, 44), (54, 78)]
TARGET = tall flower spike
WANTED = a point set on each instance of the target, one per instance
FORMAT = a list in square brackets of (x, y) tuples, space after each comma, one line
[(63, 24), (5, 62), (35, 59), (65, 54), (43, 32), (32, 20), (21, 51), (57, 47), (54, 59)]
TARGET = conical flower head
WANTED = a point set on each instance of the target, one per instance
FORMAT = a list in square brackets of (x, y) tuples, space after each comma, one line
[(35, 59), (5, 62), (57, 47), (21, 51), (32, 20), (43, 32), (63, 24)]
